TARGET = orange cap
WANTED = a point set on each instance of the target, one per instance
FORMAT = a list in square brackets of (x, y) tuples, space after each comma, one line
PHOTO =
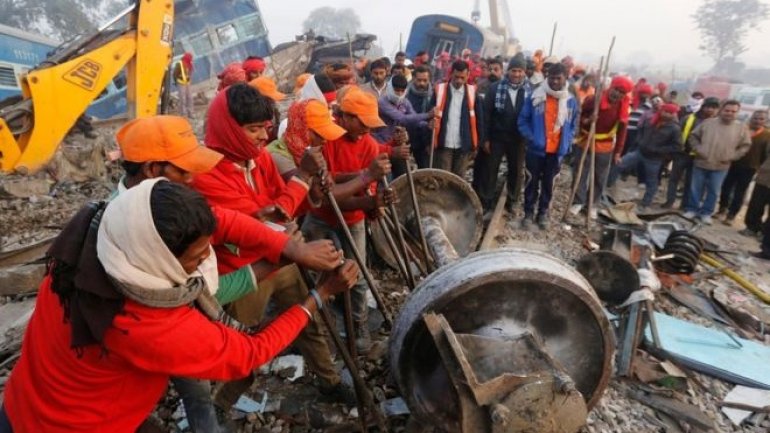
[(319, 119), (363, 105), (165, 138), (267, 87)]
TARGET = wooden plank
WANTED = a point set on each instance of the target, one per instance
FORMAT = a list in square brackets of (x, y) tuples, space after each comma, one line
[(496, 222), (676, 409)]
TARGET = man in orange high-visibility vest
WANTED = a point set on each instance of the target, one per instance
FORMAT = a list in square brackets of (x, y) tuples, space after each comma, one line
[(459, 121)]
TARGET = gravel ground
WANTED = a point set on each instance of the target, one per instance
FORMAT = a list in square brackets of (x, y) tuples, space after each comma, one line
[(298, 407)]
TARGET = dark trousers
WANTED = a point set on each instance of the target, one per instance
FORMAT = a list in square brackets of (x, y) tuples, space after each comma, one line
[(421, 153), (539, 189), (198, 404), (454, 160), (398, 167), (734, 189), (758, 205), (5, 424), (601, 172), (681, 170), (487, 167)]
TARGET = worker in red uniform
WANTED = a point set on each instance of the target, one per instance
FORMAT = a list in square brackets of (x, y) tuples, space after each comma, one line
[(353, 160), (126, 304), (611, 124), (247, 180), (148, 153)]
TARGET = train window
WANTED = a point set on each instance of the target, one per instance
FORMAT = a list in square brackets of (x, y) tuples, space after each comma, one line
[(250, 26), (120, 80), (766, 99), (7, 77), (178, 49), (201, 44), (227, 34)]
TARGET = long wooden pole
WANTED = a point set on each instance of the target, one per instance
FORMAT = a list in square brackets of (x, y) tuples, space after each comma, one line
[(591, 133), (592, 175), (553, 37)]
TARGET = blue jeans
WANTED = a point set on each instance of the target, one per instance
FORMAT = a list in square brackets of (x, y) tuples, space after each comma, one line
[(198, 405), (5, 424), (649, 173), (708, 182)]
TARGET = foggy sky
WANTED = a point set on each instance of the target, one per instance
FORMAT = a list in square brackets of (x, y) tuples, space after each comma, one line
[(658, 32)]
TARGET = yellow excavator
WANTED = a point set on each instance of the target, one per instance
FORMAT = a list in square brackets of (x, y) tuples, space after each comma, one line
[(58, 91)]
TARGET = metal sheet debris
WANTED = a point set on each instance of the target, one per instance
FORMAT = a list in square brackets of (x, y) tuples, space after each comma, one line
[(712, 351)]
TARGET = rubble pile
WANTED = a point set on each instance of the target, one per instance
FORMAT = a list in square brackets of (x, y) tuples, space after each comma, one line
[(661, 395)]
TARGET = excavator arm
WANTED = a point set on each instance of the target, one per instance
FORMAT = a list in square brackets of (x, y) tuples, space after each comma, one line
[(58, 91)]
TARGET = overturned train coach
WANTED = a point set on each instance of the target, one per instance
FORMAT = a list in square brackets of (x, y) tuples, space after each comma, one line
[(443, 33)]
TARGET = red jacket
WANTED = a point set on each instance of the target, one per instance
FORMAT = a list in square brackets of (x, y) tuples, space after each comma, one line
[(227, 186), (53, 390), (344, 156), (252, 240)]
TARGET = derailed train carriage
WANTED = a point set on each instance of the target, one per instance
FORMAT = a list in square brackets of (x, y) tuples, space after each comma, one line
[(443, 33), (215, 32)]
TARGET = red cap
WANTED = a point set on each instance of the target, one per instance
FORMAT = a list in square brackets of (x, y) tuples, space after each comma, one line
[(622, 83), (254, 65), (670, 108)]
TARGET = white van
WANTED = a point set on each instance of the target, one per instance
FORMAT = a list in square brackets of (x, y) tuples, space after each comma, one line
[(752, 99)]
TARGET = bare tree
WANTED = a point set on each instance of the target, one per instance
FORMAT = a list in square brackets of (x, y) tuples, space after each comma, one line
[(333, 23), (724, 24)]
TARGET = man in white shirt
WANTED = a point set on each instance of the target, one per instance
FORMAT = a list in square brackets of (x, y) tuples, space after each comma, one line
[(459, 126)]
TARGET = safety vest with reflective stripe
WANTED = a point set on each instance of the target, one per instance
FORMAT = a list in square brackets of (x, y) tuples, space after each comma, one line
[(441, 98), (183, 71), (688, 126)]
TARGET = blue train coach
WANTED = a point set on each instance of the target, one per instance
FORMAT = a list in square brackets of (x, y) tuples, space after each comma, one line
[(438, 33)]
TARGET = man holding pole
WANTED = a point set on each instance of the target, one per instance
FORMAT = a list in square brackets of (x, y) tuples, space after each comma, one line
[(351, 159), (611, 122)]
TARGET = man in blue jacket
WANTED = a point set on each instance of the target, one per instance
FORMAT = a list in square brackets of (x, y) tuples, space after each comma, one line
[(548, 122)]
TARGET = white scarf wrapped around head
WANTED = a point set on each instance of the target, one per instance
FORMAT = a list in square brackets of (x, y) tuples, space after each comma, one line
[(539, 96), (311, 91), (136, 258)]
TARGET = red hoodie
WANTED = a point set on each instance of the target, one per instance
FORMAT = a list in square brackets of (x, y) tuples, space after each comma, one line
[(243, 189), (53, 390)]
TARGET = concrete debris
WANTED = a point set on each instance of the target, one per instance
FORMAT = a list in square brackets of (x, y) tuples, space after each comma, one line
[(394, 407), (15, 315), (24, 186), (20, 280), (743, 395), (290, 367), (249, 405)]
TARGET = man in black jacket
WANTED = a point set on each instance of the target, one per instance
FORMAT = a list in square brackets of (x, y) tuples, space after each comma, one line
[(658, 140), (502, 105), (419, 93)]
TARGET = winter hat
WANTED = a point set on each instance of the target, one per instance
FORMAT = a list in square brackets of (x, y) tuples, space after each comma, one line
[(517, 62)]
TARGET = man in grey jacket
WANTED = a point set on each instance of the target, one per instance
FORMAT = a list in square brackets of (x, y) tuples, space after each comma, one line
[(716, 143)]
